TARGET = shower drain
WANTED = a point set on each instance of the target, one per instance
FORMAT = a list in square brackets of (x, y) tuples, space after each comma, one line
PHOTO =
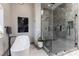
[(55, 53)]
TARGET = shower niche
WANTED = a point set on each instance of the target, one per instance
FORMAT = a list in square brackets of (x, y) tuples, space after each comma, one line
[(58, 28)]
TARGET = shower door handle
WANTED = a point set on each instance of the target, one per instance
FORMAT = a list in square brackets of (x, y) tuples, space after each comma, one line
[(69, 31), (48, 28)]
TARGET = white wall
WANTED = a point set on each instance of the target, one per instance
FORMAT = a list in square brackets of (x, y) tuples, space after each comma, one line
[(1, 30), (1, 16), (37, 10), (24, 10), (6, 9)]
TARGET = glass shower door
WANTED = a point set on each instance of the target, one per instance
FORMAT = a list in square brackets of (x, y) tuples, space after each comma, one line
[(63, 29), (46, 35), (58, 29)]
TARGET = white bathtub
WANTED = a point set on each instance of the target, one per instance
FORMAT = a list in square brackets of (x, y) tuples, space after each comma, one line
[(21, 46)]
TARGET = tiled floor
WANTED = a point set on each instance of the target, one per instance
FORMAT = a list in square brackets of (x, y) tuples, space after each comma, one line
[(34, 52), (40, 52), (62, 44), (74, 53), (37, 52)]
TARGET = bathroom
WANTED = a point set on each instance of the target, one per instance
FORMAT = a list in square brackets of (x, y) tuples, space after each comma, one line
[(35, 14)]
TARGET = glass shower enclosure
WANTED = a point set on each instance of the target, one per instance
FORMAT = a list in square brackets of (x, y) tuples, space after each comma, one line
[(58, 27)]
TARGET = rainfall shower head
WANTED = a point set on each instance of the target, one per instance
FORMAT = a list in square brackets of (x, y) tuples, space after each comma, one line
[(51, 4)]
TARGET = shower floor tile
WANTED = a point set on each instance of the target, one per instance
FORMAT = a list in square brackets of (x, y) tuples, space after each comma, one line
[(60, 45), (73, 53)]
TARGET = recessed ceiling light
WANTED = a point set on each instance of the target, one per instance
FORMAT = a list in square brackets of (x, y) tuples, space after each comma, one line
[(49, 5), (42, 12)]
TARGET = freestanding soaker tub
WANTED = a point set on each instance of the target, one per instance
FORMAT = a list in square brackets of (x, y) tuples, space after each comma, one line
[(21, 46)]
